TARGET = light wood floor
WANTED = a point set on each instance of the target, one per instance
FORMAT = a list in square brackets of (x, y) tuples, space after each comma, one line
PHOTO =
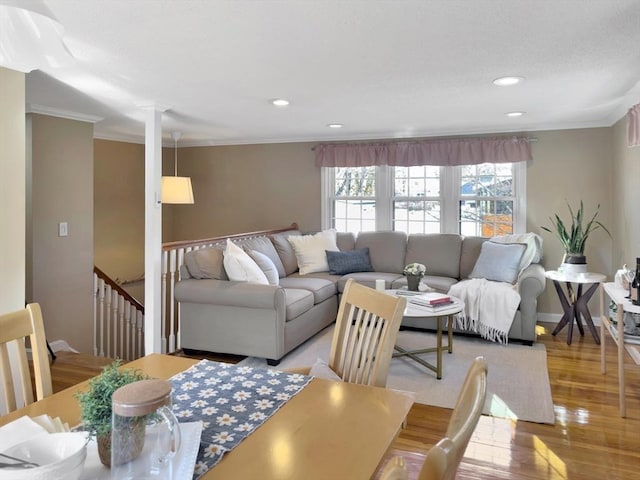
[(588, 441)]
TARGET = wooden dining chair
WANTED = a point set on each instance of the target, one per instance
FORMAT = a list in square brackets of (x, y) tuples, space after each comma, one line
[(443, 459), (14, 328), (365, 333)]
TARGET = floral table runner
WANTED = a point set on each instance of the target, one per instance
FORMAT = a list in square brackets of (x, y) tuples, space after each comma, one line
[(231, 401)]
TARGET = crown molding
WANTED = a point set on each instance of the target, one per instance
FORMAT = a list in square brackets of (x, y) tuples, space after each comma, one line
[(55, 112)]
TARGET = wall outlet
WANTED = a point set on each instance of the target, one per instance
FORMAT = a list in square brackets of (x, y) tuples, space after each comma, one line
[(63, 229)]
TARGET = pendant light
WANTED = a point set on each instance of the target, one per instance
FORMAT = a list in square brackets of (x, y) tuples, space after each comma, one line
[(176, 190)]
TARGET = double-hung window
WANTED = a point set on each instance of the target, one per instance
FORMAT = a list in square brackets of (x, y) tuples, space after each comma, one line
[(484, 199)]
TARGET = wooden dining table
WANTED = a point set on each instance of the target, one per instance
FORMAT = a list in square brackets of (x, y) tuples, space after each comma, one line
[(328, 430)]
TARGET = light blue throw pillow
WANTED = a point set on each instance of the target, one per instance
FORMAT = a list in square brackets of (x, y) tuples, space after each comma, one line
[(499, 262)]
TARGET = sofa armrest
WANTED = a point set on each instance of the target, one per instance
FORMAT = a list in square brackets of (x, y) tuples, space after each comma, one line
[(532, 281), (231, 294)]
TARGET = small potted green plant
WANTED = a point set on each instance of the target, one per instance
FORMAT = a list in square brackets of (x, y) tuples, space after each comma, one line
[(95, 404), (414, 273), (574, 239)]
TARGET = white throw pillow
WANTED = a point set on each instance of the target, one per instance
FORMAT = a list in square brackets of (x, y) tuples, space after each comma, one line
[(311, 250), (240, 267), (320, 369)]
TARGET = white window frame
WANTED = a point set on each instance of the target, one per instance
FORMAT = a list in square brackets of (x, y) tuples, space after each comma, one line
[(449, 197)]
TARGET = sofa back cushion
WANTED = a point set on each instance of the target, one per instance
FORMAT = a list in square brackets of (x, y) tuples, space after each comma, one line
[(264, 246), (471, 247), (285, 250), (439, 252), (386, 250), (346, 241), (206, 263)]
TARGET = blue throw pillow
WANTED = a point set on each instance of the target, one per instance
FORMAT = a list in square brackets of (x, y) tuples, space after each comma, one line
[(341, 263)]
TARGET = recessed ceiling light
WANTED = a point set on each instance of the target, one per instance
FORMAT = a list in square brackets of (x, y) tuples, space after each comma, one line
[(335, 125), (280, 102), (514, 114), (507, 81)]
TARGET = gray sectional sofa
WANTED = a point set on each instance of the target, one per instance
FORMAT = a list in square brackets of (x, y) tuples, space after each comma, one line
[(268, 321)]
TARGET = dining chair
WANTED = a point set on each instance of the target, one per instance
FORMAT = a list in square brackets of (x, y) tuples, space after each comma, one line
[(14, 328), (365, 333), (443, 459)]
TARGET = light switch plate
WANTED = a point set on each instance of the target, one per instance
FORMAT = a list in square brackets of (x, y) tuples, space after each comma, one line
[(63, 229)]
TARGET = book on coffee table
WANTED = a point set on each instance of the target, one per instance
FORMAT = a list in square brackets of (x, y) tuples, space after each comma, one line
[(432, 299)]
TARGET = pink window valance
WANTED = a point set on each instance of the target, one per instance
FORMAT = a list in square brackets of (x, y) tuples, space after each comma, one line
[(633, 126), (443, 152)]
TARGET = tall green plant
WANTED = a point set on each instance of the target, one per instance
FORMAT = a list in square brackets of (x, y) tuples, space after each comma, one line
[(574, 239)]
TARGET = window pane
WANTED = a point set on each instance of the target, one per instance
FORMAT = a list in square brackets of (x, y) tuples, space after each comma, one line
[(417, 217), (417, 181), (355, 182), (486, 217), (354, 215)]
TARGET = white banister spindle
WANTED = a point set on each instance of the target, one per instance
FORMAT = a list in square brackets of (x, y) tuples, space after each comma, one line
[(121, 326), (140, 325), (107, 330), (172, 303), (127, 330), (176, 326), (101, 297), (163, 309), (114, 324), (95, 314)]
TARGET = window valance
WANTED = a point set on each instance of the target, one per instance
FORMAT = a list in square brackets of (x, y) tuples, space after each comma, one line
[(633, 126), (441, 152)]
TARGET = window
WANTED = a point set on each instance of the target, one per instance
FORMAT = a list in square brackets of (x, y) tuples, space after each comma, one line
[(485, 199)]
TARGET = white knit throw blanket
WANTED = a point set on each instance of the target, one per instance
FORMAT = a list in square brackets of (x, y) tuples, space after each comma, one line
[(489, 307)]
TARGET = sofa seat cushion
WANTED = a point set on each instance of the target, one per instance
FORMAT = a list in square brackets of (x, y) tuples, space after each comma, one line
[(298, 301), (368, 279), (321, 288), (441, 284)]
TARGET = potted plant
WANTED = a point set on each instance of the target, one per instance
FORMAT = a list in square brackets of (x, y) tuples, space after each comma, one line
[(574, 239), (414, 273), (95, 404)]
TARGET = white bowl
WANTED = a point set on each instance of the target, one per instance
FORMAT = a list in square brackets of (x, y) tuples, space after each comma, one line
[(60, 456)]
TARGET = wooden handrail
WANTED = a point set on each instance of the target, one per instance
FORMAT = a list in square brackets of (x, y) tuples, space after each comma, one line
[(206, 241), (121, 291)]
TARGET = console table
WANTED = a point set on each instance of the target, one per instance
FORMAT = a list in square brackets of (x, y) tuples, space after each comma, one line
[(618, 296), (575, 303)]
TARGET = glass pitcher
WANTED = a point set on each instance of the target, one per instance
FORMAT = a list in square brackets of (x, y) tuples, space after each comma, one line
[(145, 435)]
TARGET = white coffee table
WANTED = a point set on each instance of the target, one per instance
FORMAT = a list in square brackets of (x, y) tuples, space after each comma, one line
[(418, 311)]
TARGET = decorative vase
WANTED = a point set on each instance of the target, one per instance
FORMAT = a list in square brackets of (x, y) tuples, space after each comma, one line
[(134, 443), (413, 281)]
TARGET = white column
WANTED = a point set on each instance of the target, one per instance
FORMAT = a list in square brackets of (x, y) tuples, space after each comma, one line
[(152, 230)]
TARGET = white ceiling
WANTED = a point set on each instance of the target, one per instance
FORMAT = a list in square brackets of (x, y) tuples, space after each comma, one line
[(382, 68)]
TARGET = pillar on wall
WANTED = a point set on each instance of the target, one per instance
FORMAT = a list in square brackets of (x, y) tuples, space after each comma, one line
[(153, 230)]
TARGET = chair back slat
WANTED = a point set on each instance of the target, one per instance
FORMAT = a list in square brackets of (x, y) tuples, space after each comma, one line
[(366, 330), (14, 328)]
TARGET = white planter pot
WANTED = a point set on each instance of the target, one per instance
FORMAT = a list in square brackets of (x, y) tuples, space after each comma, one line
[(573, 268)]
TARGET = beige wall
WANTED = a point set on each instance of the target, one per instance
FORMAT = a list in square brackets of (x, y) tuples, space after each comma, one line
[(12, 191), (119, 209), (246, 188), (569, 166), (254, 187), (624, 198), (62, 191)]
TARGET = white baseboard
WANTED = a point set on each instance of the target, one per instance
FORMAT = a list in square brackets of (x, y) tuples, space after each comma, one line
[(555, 317)]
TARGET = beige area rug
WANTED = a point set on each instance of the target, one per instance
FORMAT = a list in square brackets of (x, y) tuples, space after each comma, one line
[(518, 381)]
